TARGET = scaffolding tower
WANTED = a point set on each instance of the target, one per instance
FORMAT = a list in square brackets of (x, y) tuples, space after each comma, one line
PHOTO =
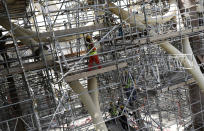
[(149, 76)]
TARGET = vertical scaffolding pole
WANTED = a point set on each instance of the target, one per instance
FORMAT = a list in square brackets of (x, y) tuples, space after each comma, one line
[(22, 67)]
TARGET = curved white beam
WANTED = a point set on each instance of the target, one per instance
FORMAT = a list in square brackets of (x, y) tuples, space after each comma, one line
[(161, 18), (19, 32), (150, 20), (125, 15)]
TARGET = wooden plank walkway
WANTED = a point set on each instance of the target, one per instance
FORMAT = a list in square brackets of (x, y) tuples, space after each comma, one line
[(94, 72)]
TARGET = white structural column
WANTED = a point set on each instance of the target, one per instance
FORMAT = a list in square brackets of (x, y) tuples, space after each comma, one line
[(93, 91), (87, 100)]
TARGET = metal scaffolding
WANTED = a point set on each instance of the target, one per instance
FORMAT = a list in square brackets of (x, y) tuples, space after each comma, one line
[(45, 72)]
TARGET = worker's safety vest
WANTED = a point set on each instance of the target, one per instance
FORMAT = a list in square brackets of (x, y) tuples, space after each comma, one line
[(93, 52), (128, 84), (114, 111)]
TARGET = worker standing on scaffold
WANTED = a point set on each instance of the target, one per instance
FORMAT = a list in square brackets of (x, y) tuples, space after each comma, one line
[(113, 110), (123, 119), (129, 87), (93, 53)]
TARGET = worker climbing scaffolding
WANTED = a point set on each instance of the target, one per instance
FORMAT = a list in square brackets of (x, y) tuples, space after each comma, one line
[(3, 48), (129, 88), (113, 110), (123, 119), (92, 53), (120, 31)]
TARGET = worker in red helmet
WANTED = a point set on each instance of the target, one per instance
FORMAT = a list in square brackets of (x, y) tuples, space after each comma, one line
[(93, 53)]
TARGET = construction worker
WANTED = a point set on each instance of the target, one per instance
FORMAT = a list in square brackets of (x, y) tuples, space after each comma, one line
[(120, 31), (93, 53), (123, 118), (3, 48), (38, 52), (128, 91), (113, 110)]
